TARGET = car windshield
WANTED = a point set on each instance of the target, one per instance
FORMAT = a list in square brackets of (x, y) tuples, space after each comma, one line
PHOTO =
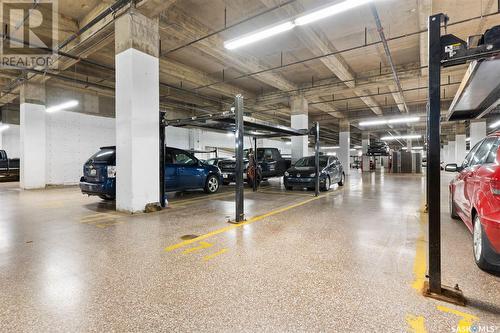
[(211, 161), (104, 155), (309, 162)]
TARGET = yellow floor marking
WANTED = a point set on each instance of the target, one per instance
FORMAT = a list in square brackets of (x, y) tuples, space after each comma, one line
[(417, 324), (465, 323), (178, 203), (420, 264), (203, 245), (286, 193), (211, 256), (234, 226)]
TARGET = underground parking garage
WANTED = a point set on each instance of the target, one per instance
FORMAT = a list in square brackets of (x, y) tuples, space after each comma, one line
[(278, 165)]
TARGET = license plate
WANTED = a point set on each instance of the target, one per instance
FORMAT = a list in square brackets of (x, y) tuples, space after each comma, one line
[(93, 172)]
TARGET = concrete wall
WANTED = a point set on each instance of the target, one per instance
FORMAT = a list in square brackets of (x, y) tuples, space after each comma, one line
[(71, 139), (10, 141)]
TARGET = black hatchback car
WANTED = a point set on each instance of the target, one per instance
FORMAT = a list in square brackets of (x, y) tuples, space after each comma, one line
[(303, 173), (378, 149)]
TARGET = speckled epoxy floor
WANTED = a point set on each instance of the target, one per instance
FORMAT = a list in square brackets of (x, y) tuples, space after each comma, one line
[(341, 263)]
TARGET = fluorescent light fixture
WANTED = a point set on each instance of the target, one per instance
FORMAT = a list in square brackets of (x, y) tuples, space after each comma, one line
[(62, 106), (230, 134), (390, 121), (329, 11), (3, 127), (495, 124), (467, 140), (404, 148), (328, 148), (358, 147), (289, 25), (418, 148), (331, 154), (401, 137), (259, 35), (352, 149), (288, 142)]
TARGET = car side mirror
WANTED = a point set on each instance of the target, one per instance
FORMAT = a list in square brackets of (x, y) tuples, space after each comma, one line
[(452, 167)]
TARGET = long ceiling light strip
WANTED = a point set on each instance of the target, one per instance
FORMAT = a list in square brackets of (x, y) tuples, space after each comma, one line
[(495, 124), (390, 121), (62, 106), (289, 25), (401, 137), (3, 127)]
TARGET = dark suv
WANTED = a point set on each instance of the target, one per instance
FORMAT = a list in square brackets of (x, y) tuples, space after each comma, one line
[(183, 172), (378, 149)]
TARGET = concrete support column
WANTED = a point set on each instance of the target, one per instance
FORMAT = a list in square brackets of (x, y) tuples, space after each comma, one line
[(299, 120), (195, 139), (365, 144), (477, 131), (344, 152), (460, 143), (137, 107), (409, 145), (452, 158), (33, 136)]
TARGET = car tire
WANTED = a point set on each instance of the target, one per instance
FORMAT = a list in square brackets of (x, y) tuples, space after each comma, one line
[(106, 198), (481, 246), (226, 183), (289, 188), (212, 184), (342, 180), (327, 185), (453, 208)]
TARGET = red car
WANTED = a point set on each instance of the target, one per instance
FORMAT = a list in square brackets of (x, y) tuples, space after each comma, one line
[(475, 198)]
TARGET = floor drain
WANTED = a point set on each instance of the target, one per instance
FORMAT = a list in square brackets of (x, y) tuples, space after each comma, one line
[(186, 237)]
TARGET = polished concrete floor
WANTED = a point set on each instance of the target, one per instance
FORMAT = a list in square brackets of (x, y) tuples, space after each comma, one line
[(352, 260)]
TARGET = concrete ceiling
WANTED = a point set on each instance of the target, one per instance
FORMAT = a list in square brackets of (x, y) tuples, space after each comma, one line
[(355, 82)]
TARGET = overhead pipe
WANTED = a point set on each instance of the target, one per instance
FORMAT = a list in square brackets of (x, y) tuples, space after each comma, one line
[(389, 55)]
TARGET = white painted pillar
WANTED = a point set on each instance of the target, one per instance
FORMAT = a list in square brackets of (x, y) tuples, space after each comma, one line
[(365, 144), (195, 139), (409, 145), (446, 154), (299, 120), (33, 137), (460, 143), (344, 152), (452, 157), (477, 131), (137, 107), (1, 137)]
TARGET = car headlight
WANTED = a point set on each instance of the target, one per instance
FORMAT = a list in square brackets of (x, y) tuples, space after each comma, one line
[(312, 175), (287, 174), (111, 171)]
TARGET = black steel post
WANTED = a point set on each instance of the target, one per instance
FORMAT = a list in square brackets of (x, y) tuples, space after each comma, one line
[(256, 164), (433, 155), (238, 103), (316, 159), (162, 160)]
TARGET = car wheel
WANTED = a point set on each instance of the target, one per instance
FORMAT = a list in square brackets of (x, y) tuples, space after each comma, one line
[(106, 198), (327, 185), (342, 180), (212, 184), (480, 245), (453, 210), (289, 188)]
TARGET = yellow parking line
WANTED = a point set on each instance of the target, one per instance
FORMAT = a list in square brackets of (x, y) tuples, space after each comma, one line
[(465, 323), (420, 264), (211, 256), (203, 245), (234, 226), (417, 324), (286, 193)]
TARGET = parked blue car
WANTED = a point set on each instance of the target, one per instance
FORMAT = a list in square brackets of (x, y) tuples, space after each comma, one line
[(183, 172)]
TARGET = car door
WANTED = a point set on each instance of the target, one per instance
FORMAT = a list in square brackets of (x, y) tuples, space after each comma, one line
[(171, 178), (458, 182), (334, 169), (471, 178), (190, 173)]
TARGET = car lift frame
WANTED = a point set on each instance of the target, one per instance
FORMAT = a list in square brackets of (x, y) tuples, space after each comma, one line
[(437, 58), (238, 122)]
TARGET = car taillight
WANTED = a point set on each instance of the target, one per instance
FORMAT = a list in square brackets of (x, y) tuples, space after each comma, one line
[(495, 187), (111, 171)]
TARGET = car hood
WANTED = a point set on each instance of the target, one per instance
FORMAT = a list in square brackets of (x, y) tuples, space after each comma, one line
[(295, 170)]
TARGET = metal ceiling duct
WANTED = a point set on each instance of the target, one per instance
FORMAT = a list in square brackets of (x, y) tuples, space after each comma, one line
[(479, 92)]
